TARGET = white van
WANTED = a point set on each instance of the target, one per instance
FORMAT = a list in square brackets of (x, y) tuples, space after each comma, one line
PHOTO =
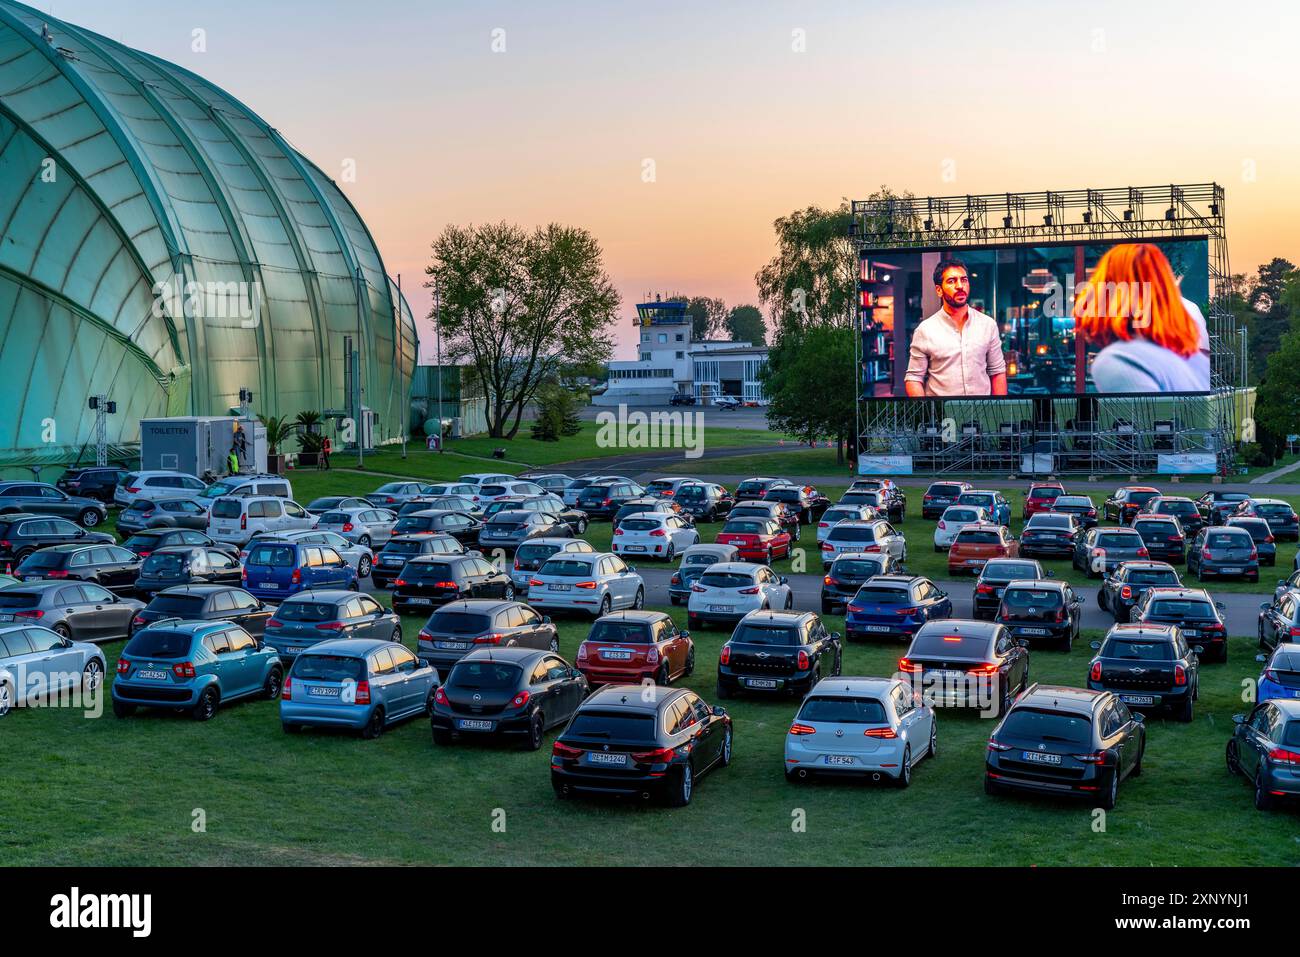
[(243, 486), (236, 520)]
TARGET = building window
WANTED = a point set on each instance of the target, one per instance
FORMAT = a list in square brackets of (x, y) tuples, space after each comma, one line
[(663, 337), (680, 337), (681, 355)]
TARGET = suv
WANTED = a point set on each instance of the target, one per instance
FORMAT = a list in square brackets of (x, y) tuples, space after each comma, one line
[(940, 495), (875, 536), (1148, 666), (400, 549), (461, 626), (277, 569), (310, 617), (426, 583), (532, 555), (243, 486), (1041, 609), (704, 501), (603, 499), (1191, 609), (95, 482), (157, 486), (461, 526), (111, 566), (22, 533), (1040, 497), (780, 651), (143, 543), (1127, 582), (1058, 740), (236, 520), (753, 489), (41, 498)]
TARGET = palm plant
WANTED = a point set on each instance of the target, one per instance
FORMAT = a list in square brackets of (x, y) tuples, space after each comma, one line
[(278, 430)]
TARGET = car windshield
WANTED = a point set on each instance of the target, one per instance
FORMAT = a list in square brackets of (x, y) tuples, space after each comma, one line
[(726, 580), (857, 567), (275, 556), (1183, 609), (1133, 649), (419, 570), (975, 537), (158, 644), (484, 676), (1030, 602), (938, 645), (306, 611), (161, 563), (612, 726), (311, 667), (19, 599), (1047, 726), (843, 710), (883, 595), (751, 633), (458, 623), (566, 568), (622, 632), (1007, 571)]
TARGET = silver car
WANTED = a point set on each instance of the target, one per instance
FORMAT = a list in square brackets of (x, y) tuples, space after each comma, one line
[(728, 591), (169, 513), (437, 489), (363, 526), (533, 554), (393, 493), (596, 584), (875, 536), (554, 482), (872, 727), (843, 513), (36, 663)]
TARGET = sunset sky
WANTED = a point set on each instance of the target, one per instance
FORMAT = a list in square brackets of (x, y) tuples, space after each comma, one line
[(746, 110)]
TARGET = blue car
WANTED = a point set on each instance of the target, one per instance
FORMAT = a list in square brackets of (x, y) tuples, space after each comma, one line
[(1281, 676), (275, 570), (999, 508), (193, 666), (356, 683), (311, 617), (894, 606)]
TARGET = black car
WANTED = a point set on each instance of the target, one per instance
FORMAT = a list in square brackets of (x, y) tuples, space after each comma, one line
[(1179, 507), (1279, 620), (1265, 750), (206, 603), (22, 533), (1191, 609), (112, 566), (1080, 506), (967, 664), (704, 501), (1261, 533), (147, 542), (681, 398), (97, 482), (805, 502), (603, 499), (1041, 610), (1050, 535), (575, 519), (848, 573), (1224, 552), (510, 529), (459, 627), (1148, 666), (778, 651), (940, 495), (506, 692), (784, 515), (1217, 506), (41, 498), (753, 489), (993, 579), (400, 549), (428, 582), (1067, 741), (459, 525), (1281, 517), (1125, 502), (652, 741), (1126, 583), (1163, 537), (82, 611), (187, 565)]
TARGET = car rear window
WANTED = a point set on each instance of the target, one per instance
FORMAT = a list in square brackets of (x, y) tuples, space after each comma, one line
[(938, 645), (420, 570), (853, 533), (19, 599), (726, 580), (745, 528), (612, 726), (1228, 539), (533, 553), (158, 644), (493, 490), (140, 505), (1177, 507), (1271, 511), (306, 611), (1047, 726), (402, 548), (843, 710), (1119, 540), (227, 508), (630, 632), (311, 667), (785, 495), (945, 490), (335, 518), (750, 633), (1141, 498), (884, 595), (1132, 649), (857, 567), (690, 493), (1007, 571), (44, 559), (413, 523), (1046, 520), (1182, 608), (566, 568), (1153, 527), (1257, 529), (458, 623), (639, 525), (968, 536), (961, 515), (1152, 576), (1030, 601), (484, 676), (749, 488), (276, 556), (183, 606), (162, 563), (1048, 492)]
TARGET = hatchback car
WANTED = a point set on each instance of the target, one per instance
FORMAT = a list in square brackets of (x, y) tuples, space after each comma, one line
[(853, 537), (493, 491), (1043, 611), (237, 520), (553, 482), (843, 513), (1126, 501), (1162, 535), (894, 606), (37, 666), (631, 647), (1281, 517), (361, 684), (778, 512), (849, 572), (360, 557), (193, 666), (976, 544), (531, 555), (146, 542), (667, 487), (728, 591), (465, 489), (756, 539), (400, 549), (1179, 507), (1039, 498), (186, 565), (897, 731), (22, 533), (1265, 750), (146, 513), (1261, 533), (430, 581), (461, 626), (1125, 584), (994, 504), (515, 693), (576, 487), (1192, 610), (953, 520), (781, 652), (1098, 550), (443, 503), (993, 579), (1279, 620), (644, 505), (206, 603), (462, 526), (960, 663), (1065, 741), (478, 479), (888, 500), (603, 499), (81, 611), (651, 742), (704, 501), (803, 500), (97, 482), (595, 583), (391, 494), (1281, 675), (1225, 552), (157, 485), (940, 495), (694, 561), (41, 498), (310, 617), (364, 526), (550, 505), (654, 535), (319, 506), (1216, 507), (1079, 506), (1148, 666), (753, 489), (111, 566), (277, 569), (507, 530)]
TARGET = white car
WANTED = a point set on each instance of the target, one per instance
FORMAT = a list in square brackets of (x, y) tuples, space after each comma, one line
[(244, 486), (532, 555), (726, 402), (654, 534), (843, 513), (360, 557), (728, 591), (485, 478), (874, 536), (595, 583), (365, 526), (448, 488), (236, 520), (156, 486), (953, 520), (491, 491)]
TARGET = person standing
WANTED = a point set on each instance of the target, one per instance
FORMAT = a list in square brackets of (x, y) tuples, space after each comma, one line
[(958, 350), (232, 462), (325, 448)]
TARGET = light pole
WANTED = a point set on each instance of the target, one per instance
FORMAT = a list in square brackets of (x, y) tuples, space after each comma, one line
[(103, 408), (437, 338)]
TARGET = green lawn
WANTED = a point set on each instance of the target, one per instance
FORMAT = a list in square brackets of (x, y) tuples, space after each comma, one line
[(796, 461)]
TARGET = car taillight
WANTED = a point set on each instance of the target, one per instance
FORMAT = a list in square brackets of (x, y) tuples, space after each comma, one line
[(870, 548), (1176, 538), (585, 585), (943, 524), (1282, 754), (1126, 592), (749, 591), (30, 613), (286, 690), (521, 699), (995, 745), (440, 696), (389, 500), (243, 520), (929, 498), (451, 586), (1143, 553), (1097, 758), (243, 574), (905, 611), (1092, 512), (606, 501), (699, 588), (402, 581), (657, 533), (363, 692), (981, 671), (1253, 553), (559, 750), (1294, 632), (823, 524), (675, 580), (1098, 552), (1180, 675), (803, 660), (983, 589), (123, 666), (493, 639), (133, 489), (1205, 553), (347, 526), (296, 577), (517, 565), (582, 651), (724, 656), (1094, 674), (880, 733), (657, 756), (1268, 538), (911, 667), (330, 626), (184, 669), (801, 729), (827, 547), (273, 623), (652, 655)]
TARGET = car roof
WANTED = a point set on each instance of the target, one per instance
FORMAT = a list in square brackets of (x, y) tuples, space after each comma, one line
[(1038, 584), (778, 617), (546, 540), (514, 655), (961, 626), (514, 514), (849, 685), (1081, 701), (348, 647), (894, 579), (705, 548), (1137, 488), (746, 568), (65, 547), (1146, 563), (634, 615), (1289, 706), (1133, 629), (1172, 591), (660, 517), (42, 586), (648, 699), (324, 594), (480, 605), (204, 590), (1270, 501)]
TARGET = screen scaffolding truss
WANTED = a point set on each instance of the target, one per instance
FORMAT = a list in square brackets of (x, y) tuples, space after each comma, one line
[(1071, 430)]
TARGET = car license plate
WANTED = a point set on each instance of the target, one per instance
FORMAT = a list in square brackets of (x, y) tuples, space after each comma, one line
[(6, 617), (1034, 631), (617, 759), (451, 645), (840, 759), (560, 587), (296, 650), (633, 548), (948, 673), (420, 601), (1036, 757), (1230, 571), (320, 692), (473, 724), (760, 683), (1190, 632), (722, 608), (875, 627), (1137, 699), (151, 675), (268, 585), (616, 655)]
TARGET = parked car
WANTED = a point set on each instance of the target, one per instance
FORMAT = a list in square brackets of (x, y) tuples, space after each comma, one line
[(1225, 552), (462, 489), (694, 561), (429, 582), (22, 533), (458, 627), (206, 603), (850, 571), (37, 665), (1147, 666), (478, 479), (1162, 535), (360, 557), (728, 591), (392, 494), (681, 398), (953, 520), (595, 583), (763, 511), (1279, 620), (1125, 584), (578, 485), (803, 500), (940, 495), (1192, 610), (1179, 507), (1217, 506), (462, 526), (853, 537), (277, 569), (631, 647), (1260, 533), (1078, 505), (363, 526), (1042, 609), (1265, 750), (894, 606), (111, 566), (1050, 535), (363, 684), (574, 519), (760, 540), (97, 482), (643, 506), (897, 731), (704, 501), (1281, 675), (149, 541), (1067, 741), (787, 652), (654, 743), (319, 506), (667, 487), (967, 664), (510, 529), (146, 513), (41, 498), (1286, 584), (193, 666), (464, 504), (81, 611), (754, 489), (311, 617), (506, 692), (889, 502), (1100, 549), (157, 485), (976, 544), (245, 486), (842, 513), (1127, 501), (514, 488), (993, 579), (1281, 517), (603, 499), (186, 565), (1039, 498), (554, 483), (237, 520), (400, 549), (994, 503), (654, 535), (531, 555)]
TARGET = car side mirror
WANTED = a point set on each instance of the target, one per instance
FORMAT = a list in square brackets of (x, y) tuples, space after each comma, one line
[(1221, 606), (1263, 606), (546, 619), (784, 581), (719, 711), (1022, 642), (1262, 659), (1051, 574), (1281, 582), (1095, 645), (1238, 719), (1138, 716)]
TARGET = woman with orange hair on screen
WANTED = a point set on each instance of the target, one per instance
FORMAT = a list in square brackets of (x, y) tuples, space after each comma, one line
[(1152, 339)]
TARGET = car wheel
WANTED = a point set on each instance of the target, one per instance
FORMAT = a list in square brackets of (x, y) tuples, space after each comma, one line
[(639, 602), (363, 567), (789, 600), (933, 750), (1004, 705), (536, 732), (826, 607), (904, 778), (671, 554), (1263, 800), (7, 699), (88, 518), (206, 708), (1185, 710), (509, 593), (274, 681), (683, 786), (441, 737), (690, 663), (1230, 756), (606, 604), (62, 630), (1101, 598), (1111, 796), (767, 557), (662, 677), (92, 675), (375, 726), (122, 709), (726, 747), (364, 541)]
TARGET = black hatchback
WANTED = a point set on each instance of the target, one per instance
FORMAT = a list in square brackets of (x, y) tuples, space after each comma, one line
[(400, 549), (848, 573), (778, 651), (187, 565), (1042, 611), (1149, 666), (458, 628), (206, 603), (1163, 537), (112, 566), (428, 582), (1192, 610), (149, 541), (993, 579), (99, 482), (1122, 589)]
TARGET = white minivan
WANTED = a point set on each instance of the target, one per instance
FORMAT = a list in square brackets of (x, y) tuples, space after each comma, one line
[(236, 520), (244, 486)]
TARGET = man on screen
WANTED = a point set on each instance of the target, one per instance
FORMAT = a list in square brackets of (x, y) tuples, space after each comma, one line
[(958, 350)]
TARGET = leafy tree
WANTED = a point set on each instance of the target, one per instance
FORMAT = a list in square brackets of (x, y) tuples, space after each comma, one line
[(708, 316), (1277, 400), (557, 414), (308, 440), (1271, 310), (810, 379), (518, 306), (745, 324), (278, 430)]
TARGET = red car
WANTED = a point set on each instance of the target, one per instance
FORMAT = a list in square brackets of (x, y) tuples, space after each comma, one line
[(756, 539), (1040, 497), (976, 544), (629, 647)]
